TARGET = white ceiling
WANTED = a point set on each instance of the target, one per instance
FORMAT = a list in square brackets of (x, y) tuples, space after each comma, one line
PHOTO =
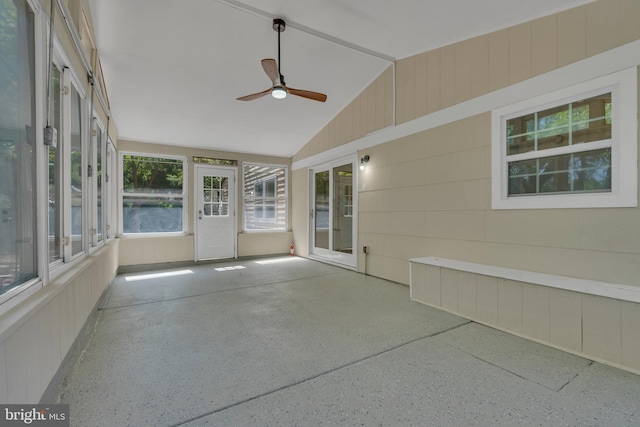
[(174, 68)]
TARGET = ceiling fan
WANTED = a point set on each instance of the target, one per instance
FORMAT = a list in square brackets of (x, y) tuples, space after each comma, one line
[(279, 89)]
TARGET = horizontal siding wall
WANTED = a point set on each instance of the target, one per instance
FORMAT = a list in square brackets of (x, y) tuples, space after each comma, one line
[(429, 194), (36, 335)]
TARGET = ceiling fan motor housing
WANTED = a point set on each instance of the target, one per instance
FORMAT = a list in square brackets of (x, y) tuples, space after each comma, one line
[(279, 25)]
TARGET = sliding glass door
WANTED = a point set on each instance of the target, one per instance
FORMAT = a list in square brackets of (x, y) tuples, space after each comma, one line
[(333, 212)]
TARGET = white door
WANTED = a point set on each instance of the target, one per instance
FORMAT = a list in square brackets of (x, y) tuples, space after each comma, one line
[(333, 212), (215, 223)]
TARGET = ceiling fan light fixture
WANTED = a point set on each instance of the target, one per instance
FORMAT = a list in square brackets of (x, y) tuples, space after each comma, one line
[(279, 92)]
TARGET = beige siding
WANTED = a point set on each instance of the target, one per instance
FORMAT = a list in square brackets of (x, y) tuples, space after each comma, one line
[(255, 244), (36, 335), (156, 249), (431, 191), (472, 67), (370, 111), (300, 204)]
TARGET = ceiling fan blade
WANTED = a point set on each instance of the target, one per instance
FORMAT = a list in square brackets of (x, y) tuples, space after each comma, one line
[(254, 95), (308, 94), (271, 68)]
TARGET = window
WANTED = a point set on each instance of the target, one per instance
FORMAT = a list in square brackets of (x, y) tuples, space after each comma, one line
[(56, 197), (18, 237), (99, 174), (153, 196), (265, 197), (568, 149), (68, 193), (530, 136), (77, 168), (97, 180), (110, 193)]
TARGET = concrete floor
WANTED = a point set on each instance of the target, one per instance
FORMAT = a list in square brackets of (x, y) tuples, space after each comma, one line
[(289, 341)]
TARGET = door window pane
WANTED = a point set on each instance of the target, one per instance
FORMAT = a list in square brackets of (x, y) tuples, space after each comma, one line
[(18, 262), (343, 208), (321, 208), (215, 195)]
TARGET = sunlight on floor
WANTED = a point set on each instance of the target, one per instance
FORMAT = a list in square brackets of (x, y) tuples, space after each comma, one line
[(235, 267), (158, 275), (279, 260)]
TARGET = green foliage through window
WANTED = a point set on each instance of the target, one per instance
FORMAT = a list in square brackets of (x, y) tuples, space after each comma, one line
[(153, 194)]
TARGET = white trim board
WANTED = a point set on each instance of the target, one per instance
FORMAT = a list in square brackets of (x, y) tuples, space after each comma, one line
[(617, 59), (591, 287)]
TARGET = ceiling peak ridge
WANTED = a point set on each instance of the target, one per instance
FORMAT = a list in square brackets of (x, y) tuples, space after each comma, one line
[(319, 34)]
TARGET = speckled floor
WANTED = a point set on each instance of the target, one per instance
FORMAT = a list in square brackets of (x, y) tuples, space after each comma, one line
[(290, 341)]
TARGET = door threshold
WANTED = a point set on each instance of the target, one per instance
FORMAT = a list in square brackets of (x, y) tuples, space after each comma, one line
[(336, 263)]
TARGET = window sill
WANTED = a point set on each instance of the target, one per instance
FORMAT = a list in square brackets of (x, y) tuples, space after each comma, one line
[(151, 235)]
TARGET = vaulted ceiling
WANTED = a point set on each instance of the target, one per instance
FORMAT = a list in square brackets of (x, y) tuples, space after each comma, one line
[(174, 68)]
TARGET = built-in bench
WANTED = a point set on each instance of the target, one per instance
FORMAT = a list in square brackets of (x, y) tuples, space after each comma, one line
[(597, 320)]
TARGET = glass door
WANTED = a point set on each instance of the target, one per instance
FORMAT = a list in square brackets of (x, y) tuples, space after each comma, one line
[(333, 210)]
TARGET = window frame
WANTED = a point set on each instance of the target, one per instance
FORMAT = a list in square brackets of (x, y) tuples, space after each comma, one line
[(121, 194), (69, 78), (59, 189), (623, 86), (97, 236), (110, 192), (72, 82), (21, 291), (285, 198)]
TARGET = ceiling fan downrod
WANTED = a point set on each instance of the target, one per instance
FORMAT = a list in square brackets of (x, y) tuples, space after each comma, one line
[(279, 26)]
